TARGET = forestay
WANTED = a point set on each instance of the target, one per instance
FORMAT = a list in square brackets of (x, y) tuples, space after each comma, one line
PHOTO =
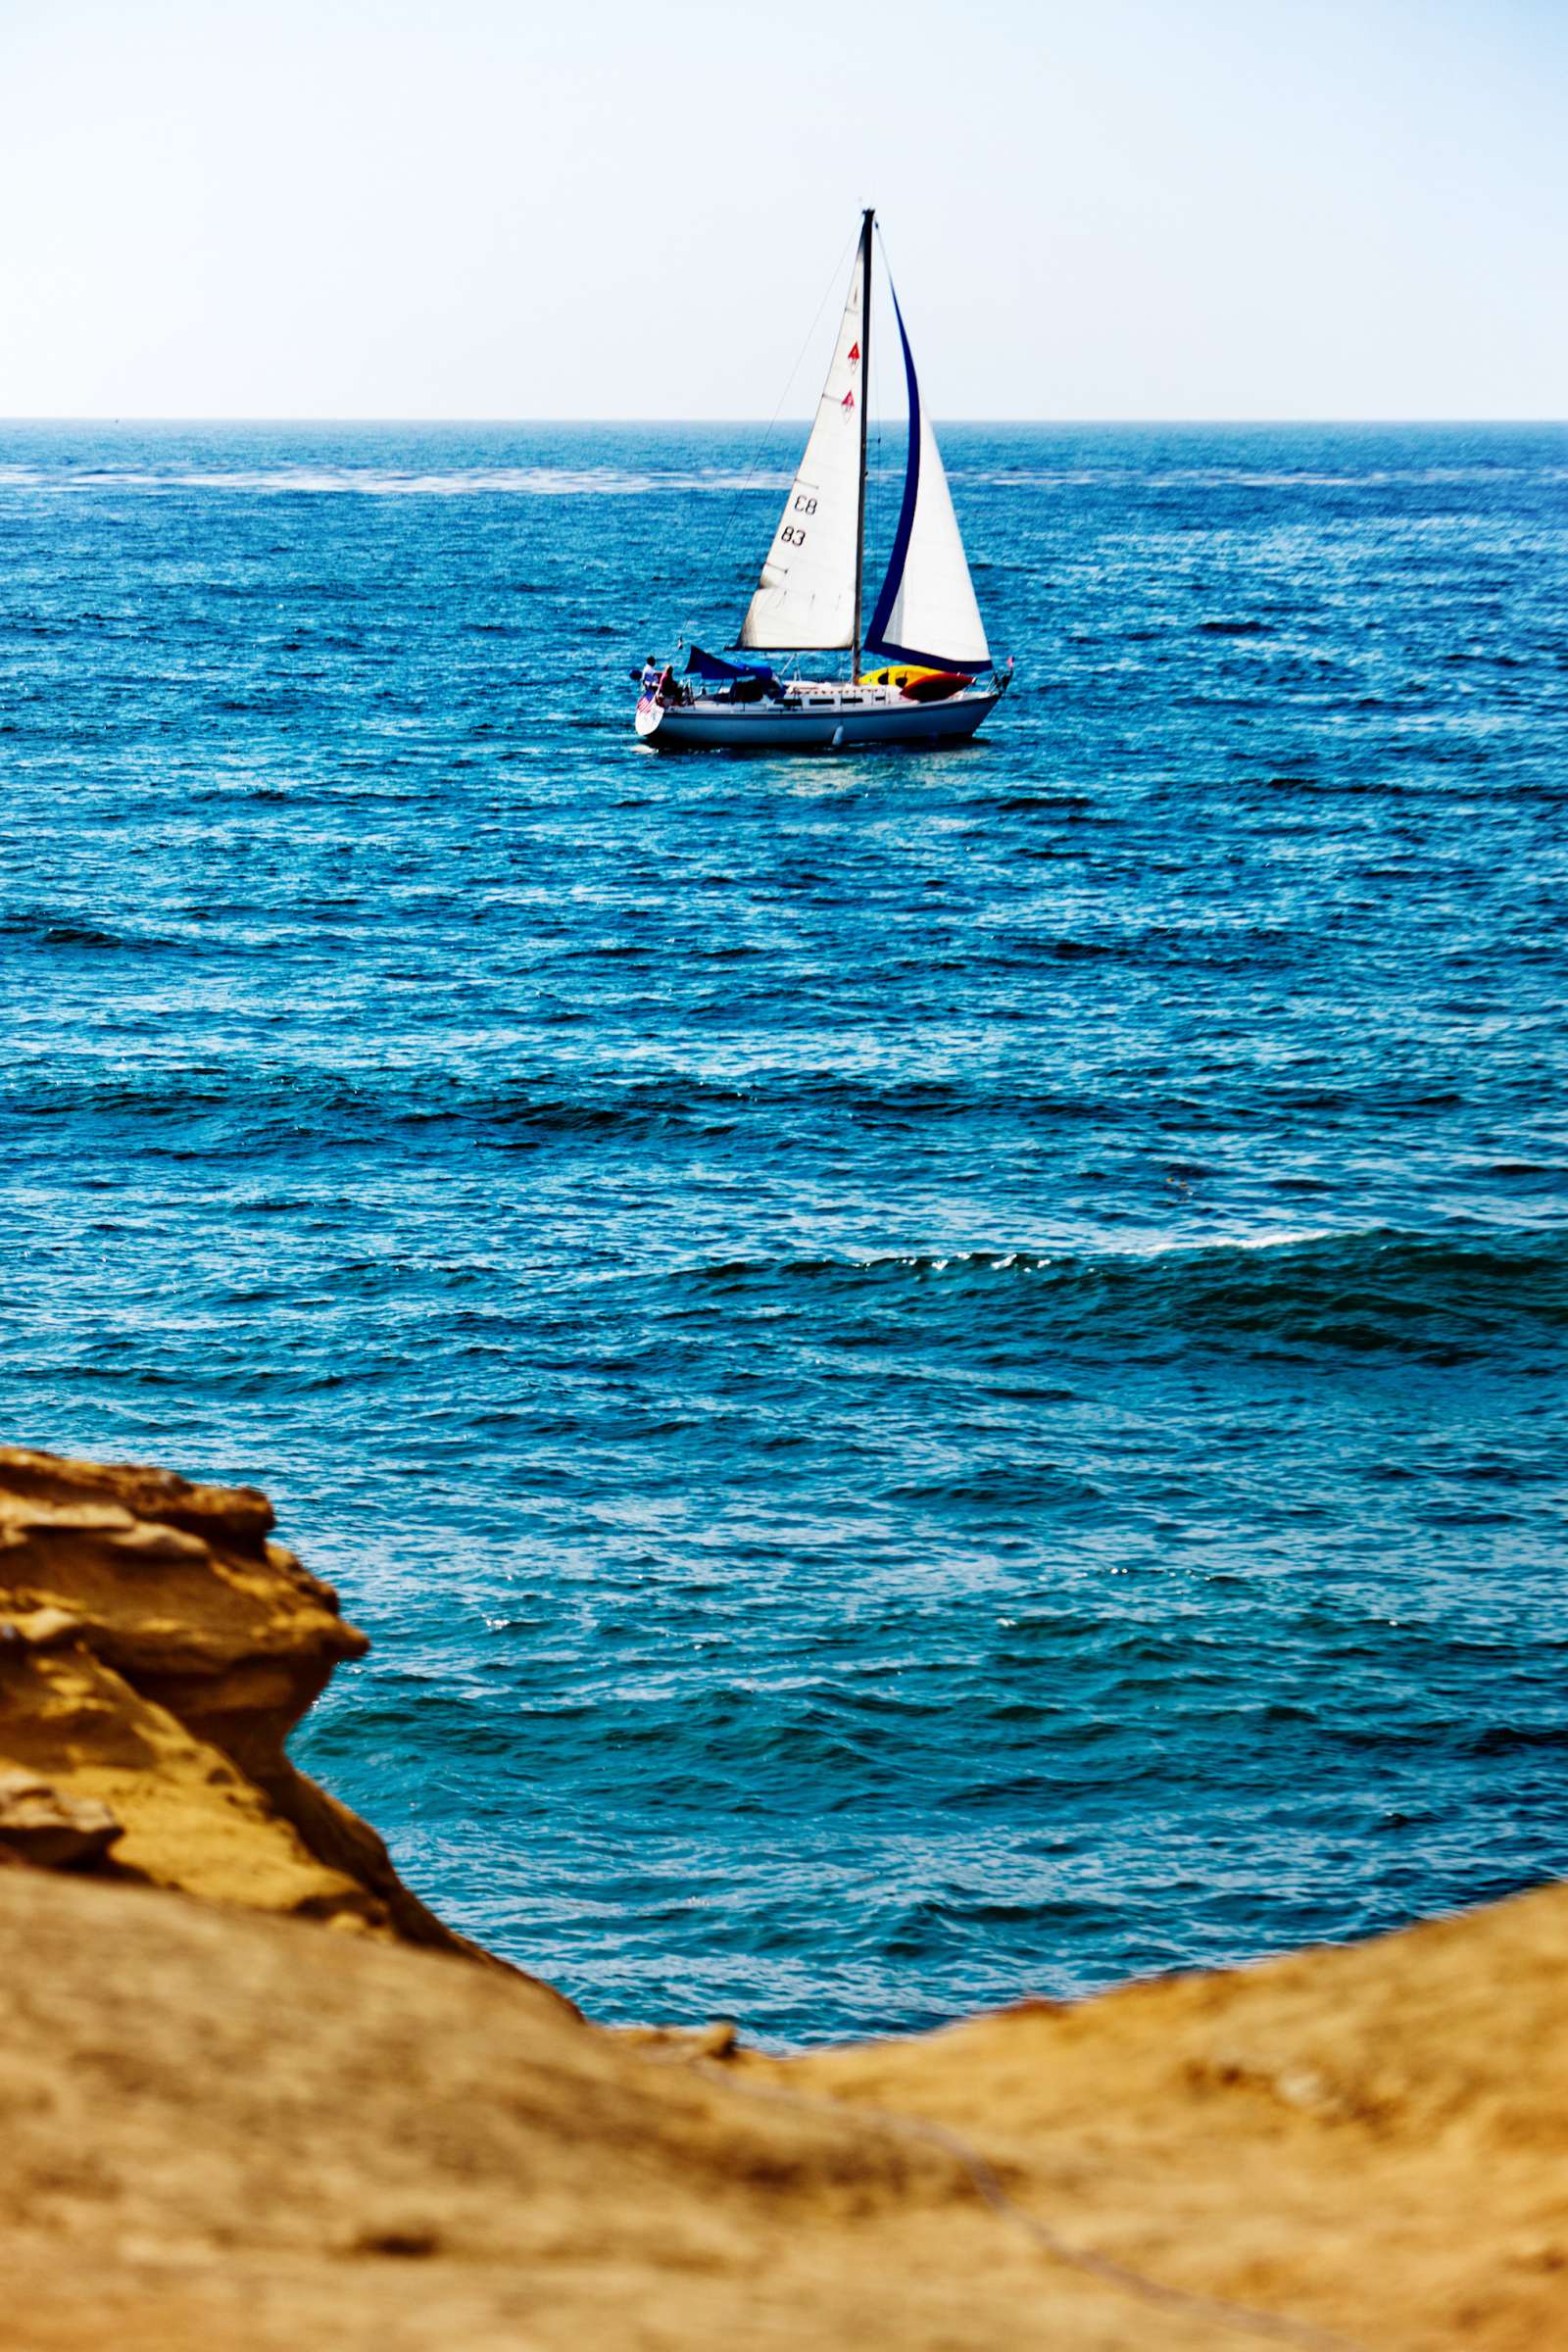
[(926, 610), (806, 596)]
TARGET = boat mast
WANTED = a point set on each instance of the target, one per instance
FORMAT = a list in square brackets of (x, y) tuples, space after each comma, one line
[(867, 217)]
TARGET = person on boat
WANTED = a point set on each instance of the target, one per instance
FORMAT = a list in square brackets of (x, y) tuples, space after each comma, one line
[(667, 689), (649, 678)]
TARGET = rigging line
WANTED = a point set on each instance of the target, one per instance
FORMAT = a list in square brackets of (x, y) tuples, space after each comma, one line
[(727, 519), (1242, 2319)]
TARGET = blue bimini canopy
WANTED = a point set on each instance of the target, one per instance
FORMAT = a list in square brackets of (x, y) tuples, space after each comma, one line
[(715, 670)]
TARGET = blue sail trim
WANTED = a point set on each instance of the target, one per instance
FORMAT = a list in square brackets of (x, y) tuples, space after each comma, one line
[(893, 579), (876, 641)]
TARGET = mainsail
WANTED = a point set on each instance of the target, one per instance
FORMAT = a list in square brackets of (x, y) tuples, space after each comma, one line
[(926, 610), (806, 596)]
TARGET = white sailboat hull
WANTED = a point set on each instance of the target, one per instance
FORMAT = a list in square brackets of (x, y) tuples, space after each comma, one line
[(825, 721)]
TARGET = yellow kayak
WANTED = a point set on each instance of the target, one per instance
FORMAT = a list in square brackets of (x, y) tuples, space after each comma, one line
[(920, 685)]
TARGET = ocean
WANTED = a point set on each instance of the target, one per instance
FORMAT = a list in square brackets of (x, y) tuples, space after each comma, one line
[(939, 1377)]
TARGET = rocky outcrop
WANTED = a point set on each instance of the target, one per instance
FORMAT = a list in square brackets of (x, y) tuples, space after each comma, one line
[(242, 2133), (157, 1648)]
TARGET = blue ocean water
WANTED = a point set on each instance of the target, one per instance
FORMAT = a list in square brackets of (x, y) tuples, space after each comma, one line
[(938, 1376)]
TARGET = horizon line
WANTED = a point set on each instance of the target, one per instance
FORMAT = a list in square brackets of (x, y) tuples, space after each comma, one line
[(513, 423)]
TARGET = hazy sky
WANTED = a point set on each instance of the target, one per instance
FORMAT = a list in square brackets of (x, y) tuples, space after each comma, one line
[(492, 208)]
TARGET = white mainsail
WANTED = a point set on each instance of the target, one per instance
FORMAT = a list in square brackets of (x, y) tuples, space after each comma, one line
[(806, 596), (926, 610)]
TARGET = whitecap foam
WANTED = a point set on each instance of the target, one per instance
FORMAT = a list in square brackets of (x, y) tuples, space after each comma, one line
[(365, 482)]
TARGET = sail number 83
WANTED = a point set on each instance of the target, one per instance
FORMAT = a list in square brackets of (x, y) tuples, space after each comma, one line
[(790, 533)]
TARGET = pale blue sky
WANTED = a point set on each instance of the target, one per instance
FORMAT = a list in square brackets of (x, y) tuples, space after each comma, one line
[(480, 208)]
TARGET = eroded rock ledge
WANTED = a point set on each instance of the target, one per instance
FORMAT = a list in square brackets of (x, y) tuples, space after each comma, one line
[(157, 1648), (222, 2132)]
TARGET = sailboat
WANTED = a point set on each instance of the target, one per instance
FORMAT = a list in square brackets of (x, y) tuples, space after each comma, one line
[(935, 679)]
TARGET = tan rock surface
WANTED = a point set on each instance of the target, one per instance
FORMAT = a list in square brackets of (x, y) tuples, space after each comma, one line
[(38, 1825), (222, 2130)]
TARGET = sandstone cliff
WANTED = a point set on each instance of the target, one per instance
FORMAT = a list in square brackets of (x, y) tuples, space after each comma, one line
[(219, 2129), (157, 1648)]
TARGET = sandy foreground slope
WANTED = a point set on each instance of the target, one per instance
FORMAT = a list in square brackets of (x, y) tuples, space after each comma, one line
[(252, 2094)]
